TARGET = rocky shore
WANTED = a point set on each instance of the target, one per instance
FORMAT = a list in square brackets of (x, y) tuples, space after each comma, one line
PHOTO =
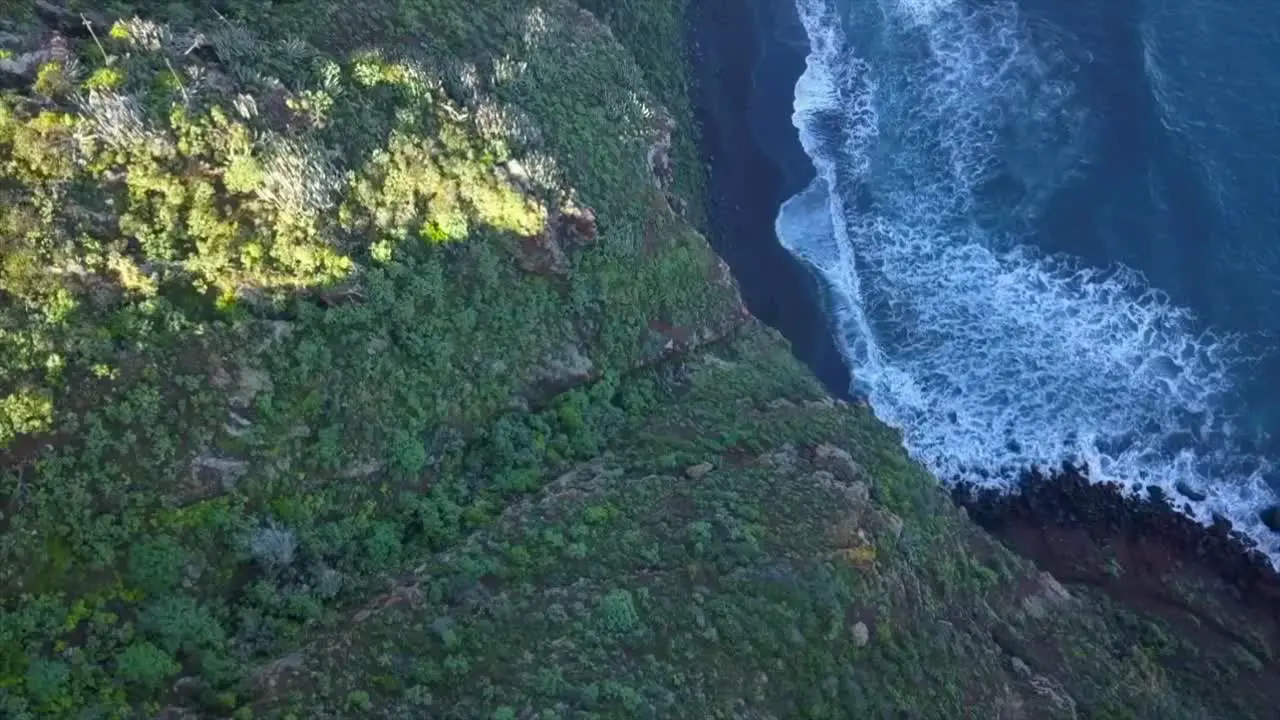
[(1140, 550)]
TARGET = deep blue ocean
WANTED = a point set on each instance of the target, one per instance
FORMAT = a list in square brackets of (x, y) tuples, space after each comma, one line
[(1052, 233)]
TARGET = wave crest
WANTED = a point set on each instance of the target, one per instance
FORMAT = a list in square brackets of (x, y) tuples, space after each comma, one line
[(934, 146)]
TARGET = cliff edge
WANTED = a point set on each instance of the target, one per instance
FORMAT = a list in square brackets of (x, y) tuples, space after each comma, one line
[(369, 360)]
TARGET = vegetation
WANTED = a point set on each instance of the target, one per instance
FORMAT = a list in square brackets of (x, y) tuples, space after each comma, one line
[(268, 281), (366, 360)]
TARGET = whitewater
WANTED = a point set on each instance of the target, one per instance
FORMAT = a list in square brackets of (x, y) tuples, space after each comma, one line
[(938, 132)]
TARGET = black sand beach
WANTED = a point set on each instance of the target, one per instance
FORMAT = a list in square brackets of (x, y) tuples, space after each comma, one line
[(746, 58)]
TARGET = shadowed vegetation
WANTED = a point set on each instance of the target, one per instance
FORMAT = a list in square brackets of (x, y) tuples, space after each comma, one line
[(364, 359)]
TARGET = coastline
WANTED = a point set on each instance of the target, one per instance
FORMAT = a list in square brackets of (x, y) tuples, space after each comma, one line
[(1140, 551), (745, 61)]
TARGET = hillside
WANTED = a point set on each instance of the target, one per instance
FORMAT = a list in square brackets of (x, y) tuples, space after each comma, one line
[(369, 360)]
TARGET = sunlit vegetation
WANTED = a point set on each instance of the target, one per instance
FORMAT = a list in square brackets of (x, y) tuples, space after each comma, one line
[(271, 283), (363, 359)]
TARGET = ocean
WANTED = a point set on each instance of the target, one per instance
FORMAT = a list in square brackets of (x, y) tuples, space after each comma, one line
[(1051, 232)]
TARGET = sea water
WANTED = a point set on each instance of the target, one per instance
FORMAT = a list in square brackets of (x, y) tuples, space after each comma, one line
[(1052, 233)]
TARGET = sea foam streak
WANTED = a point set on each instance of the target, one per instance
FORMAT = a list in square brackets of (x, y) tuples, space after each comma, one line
[(933, 144)]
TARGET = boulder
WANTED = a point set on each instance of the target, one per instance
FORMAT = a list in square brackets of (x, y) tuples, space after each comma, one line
[(696, 472), (1190, 493), (839, 462), (860, 634), (1271, 518)]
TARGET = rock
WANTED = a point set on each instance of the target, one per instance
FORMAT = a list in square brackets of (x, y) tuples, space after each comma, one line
[(542, 254), (839, 462), (174, 712), (860, 634), (892, 524), (55, 14), (845, 533), (1051, 691), (567, 366), (1010, 705), (783, 459), (859, 492), (25, 65), (188, 686), (1271, 518), (1047, 596), (1190, 493), (517, 174), (1020, 667), (280, 329), (659, 154), (577, 226), (361, 469), (696, 472), (222, 472), (720, 363), (248, 383), (862, 557), (265, 679)]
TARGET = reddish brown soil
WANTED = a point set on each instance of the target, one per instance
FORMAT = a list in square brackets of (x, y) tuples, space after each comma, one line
[(1206, 583)]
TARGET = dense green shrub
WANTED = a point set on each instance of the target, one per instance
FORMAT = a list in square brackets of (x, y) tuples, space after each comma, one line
[(146, 666), (266, 285)]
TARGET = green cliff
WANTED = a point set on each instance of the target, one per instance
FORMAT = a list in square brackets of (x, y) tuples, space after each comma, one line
[(364, 359)]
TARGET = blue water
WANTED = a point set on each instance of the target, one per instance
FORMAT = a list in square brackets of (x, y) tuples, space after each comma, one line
[(1053, 233)]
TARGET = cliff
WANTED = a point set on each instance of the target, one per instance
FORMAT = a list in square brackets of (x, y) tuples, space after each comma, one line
[(369, 360)]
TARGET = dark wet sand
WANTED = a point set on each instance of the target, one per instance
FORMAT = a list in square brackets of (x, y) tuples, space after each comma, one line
[(747, 55)]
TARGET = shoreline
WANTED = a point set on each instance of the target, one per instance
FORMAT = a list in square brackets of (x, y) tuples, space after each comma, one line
[(1077, 529), (745, 61), (1140, 550)]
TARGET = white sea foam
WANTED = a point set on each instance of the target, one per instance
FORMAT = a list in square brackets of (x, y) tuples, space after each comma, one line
[(990, 356)]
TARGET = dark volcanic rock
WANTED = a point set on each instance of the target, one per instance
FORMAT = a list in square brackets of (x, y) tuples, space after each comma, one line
[(1190, 493), (1271, 518), (1064, 521)]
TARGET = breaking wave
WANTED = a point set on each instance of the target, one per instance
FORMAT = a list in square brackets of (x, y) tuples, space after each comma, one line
[(938, 132)]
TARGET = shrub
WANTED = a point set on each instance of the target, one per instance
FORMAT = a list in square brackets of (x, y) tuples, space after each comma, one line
[(146, 665), (359, 701), (618, 613), (53, 79), (382, 546), (104, 78), (24, 412), (328, 582), (179, 623), (155, 565), (273, 546), (47, 682)]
